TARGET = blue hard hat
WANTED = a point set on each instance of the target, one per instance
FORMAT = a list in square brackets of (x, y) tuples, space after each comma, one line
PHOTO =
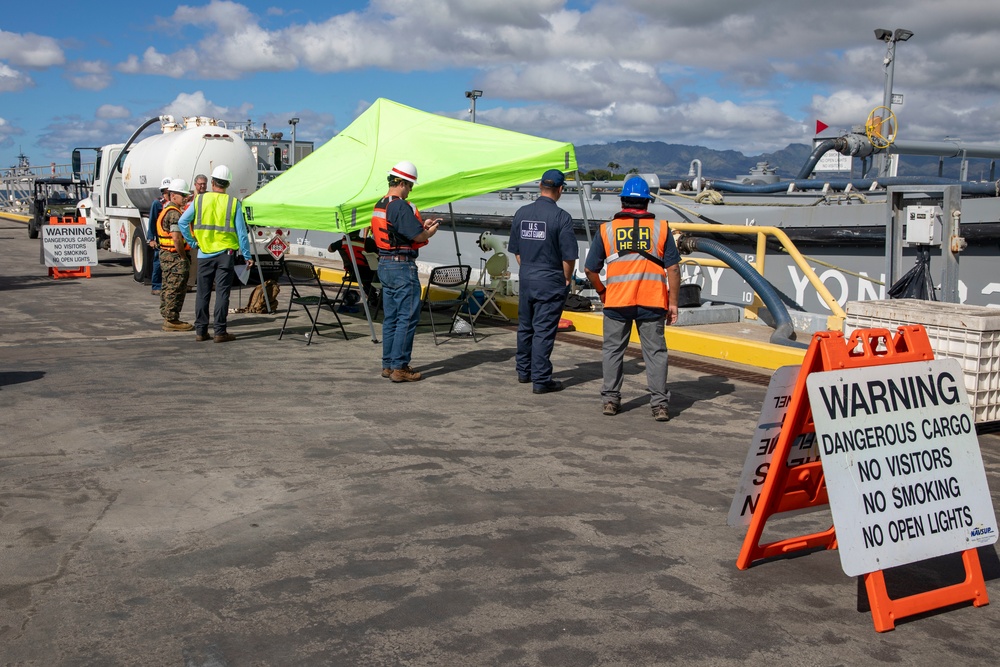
[(636, 187)]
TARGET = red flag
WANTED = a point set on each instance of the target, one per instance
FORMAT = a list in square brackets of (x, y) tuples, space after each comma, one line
[(820, 126)]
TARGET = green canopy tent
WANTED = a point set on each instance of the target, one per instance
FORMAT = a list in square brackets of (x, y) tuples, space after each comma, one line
[(335, 188)]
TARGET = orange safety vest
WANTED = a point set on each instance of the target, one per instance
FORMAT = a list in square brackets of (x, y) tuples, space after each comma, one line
[(633, 245), (385, 236), (163, 234)]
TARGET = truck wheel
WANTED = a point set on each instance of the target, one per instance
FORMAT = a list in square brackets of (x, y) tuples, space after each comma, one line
[(32, 229), (139, 264)]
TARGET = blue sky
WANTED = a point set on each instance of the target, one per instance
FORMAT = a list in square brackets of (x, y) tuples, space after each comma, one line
[(749, 75)]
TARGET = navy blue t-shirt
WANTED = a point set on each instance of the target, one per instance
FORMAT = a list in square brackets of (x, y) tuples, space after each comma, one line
[(595, 262), (542, 235), (404, 222)]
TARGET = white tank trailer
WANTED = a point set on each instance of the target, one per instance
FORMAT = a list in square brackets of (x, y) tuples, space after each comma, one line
[(125, 189)]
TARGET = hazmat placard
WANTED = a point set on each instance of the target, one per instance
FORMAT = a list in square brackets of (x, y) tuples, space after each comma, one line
[(69, 245), (277, 247), (903, 469)]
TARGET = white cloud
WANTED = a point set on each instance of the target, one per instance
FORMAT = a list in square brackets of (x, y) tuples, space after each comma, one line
[(112, 111), (7, 132), (12, 80), (844, 108), (30, 50), (709, 72), (586, 84), (176, 65), (703, 122), (90, 74), (64, 133), (196, 104)]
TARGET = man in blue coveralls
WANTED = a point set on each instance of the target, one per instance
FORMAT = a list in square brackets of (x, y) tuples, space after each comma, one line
[(542, 239)]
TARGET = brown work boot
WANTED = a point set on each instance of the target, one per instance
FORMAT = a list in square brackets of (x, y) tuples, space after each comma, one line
[(387, 373), (202, 337), (661, 414), (177, 325), (405, 374), (611, 408), (225, 338)]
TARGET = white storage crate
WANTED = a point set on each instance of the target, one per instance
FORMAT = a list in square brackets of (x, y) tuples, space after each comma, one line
[(970, 334)]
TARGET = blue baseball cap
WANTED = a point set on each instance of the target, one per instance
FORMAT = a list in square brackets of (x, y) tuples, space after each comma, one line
[(553, 178)]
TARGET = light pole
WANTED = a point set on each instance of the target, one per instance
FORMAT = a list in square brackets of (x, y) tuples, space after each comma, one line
[(473, 95), (293, 122), (890, 38)]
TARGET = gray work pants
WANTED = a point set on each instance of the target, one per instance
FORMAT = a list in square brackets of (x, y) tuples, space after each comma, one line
[(654, 353)]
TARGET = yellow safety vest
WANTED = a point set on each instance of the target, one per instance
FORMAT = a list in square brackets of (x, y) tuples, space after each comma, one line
[(214, 224)]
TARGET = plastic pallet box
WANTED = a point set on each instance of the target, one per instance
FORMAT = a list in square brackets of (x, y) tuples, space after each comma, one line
[(970, 334)]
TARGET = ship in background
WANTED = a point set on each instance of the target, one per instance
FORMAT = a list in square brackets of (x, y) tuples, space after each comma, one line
[(861, 227)]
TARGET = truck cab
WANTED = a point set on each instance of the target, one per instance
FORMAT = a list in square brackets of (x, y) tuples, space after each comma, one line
[(121, 226), (54, 198)]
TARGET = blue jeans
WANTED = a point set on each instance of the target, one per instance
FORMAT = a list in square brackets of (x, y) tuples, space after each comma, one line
[(220, 270), (401, 308), (156, 275), (537, 324)]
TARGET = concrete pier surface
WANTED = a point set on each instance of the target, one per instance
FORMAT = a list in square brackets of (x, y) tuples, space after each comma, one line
[(262, 502)]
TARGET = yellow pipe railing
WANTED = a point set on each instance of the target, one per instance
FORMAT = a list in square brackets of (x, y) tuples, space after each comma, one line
[(834, 322)]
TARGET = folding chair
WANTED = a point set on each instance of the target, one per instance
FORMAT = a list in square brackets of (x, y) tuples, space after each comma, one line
[(308, 291), (453, 277), (367, 268)]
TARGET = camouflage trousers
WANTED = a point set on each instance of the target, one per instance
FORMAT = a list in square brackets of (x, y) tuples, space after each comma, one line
[(175, 279)]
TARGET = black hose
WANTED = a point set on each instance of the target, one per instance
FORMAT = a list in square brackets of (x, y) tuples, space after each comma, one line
[(818, 152), (117, 166), (968, 187), (784, 330)]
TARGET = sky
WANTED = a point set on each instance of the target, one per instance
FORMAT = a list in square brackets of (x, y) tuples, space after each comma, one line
[(747, 75)]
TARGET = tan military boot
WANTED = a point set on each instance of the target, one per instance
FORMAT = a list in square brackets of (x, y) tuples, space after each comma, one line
[(177, 325)]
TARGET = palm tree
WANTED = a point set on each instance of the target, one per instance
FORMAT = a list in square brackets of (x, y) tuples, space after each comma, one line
[(614, 166)]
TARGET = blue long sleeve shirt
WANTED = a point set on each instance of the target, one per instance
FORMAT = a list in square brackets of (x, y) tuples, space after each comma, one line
[(241, 232)]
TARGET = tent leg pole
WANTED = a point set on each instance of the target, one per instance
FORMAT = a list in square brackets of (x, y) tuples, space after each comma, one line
[(260, 274), (454, 231), (364, 297), (586, 222)]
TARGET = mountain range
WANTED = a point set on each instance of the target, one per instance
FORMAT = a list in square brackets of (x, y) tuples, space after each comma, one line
[(673, 161)]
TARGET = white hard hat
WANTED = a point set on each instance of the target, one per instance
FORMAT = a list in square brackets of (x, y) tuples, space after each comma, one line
[(180, 186), (222, 173), (165, 183), (405, 170)]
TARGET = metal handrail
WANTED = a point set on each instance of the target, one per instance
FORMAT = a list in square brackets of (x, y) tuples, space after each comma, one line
[(835, 322)]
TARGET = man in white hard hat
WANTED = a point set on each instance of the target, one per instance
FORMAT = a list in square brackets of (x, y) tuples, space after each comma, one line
[(174, 258), (156, 276), (399, 232), (214, 225)]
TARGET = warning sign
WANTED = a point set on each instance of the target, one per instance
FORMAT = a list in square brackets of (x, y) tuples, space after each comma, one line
[(772, 416), (903, 469), (69, 245)]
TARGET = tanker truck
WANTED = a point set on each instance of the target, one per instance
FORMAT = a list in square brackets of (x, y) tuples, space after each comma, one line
[(127, 178)]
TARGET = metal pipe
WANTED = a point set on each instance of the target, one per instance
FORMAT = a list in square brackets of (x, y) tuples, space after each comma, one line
[(949, 148), (834, 322)]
